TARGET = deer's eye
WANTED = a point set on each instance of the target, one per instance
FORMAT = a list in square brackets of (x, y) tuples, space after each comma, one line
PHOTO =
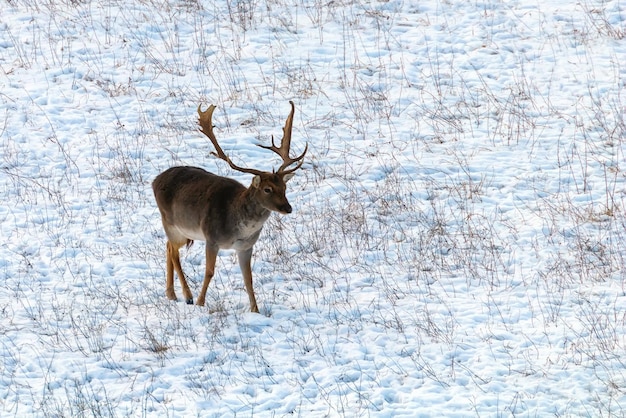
[(268, 190)]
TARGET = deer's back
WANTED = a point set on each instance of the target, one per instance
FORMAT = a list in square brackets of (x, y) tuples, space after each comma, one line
[(194, 202)]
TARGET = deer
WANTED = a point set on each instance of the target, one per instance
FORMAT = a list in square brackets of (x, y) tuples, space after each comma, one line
[(198, 205)]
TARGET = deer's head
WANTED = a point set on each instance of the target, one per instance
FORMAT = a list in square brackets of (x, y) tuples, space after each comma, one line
[(268, 187)]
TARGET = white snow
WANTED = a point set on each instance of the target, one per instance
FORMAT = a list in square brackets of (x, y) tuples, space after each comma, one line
[(458, 241)]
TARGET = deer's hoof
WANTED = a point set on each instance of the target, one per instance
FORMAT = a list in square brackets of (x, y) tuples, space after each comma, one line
[(189, 301)]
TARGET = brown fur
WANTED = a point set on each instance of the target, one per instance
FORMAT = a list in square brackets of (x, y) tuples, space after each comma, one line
[(198, 205), (195, 204)]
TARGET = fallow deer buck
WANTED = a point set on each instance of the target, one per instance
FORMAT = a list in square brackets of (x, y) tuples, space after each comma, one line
[(198, 205)]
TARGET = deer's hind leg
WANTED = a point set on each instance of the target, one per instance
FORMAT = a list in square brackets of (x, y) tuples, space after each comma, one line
[(173, 263)]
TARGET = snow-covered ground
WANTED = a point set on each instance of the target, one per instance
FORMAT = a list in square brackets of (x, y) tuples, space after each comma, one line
[(458, 240)]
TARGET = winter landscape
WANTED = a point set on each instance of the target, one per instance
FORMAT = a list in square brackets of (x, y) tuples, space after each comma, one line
[(458, 239)]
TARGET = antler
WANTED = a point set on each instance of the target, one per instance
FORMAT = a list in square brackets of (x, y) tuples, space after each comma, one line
[(285, 144), (206, 127)]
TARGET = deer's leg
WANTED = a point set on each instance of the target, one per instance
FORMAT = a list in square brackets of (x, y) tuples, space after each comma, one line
[(244, 263), (169, 278), (173, 258), (211, 257)]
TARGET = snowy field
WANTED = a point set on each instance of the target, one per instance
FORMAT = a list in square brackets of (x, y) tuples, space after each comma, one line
[(458, 240)]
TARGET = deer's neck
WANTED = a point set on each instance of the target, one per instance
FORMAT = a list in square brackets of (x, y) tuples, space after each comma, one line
[(252, 215)]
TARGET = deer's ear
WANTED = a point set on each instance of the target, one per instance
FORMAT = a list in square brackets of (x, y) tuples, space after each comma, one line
[(256, 180), (287, 177)]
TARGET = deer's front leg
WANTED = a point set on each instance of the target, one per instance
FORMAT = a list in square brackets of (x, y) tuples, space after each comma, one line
[(211, 257), (244, 263)]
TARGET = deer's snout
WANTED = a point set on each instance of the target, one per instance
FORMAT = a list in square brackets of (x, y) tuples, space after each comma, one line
[(285, 208)]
